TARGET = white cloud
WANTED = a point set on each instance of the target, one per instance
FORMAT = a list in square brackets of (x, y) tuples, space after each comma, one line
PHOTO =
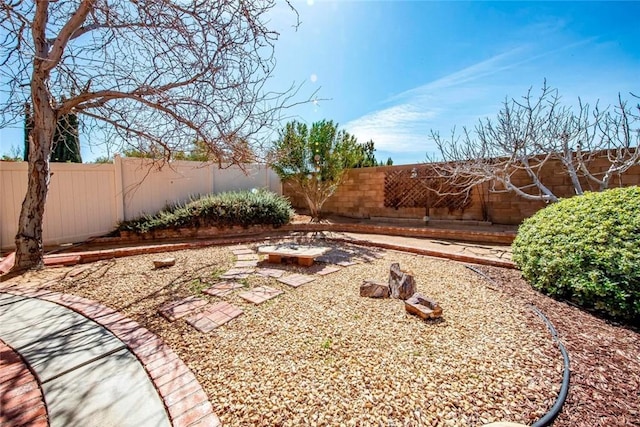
[(455, 100)]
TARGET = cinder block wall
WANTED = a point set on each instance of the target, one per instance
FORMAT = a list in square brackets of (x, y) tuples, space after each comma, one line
[(361, 195)]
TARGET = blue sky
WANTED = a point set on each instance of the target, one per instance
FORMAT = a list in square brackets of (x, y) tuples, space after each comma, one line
[(392, 70)]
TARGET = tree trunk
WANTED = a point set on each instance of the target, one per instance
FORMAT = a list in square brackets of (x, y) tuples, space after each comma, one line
[(29, 246)]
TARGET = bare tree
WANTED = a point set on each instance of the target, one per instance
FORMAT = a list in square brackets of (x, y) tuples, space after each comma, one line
[(535, 132), (156, 72)]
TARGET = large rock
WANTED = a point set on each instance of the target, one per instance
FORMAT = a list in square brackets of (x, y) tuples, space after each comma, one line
[(423, 307), (373, 289), (401, 284)]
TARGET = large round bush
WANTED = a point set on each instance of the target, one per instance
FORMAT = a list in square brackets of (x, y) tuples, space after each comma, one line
[(586, 249)]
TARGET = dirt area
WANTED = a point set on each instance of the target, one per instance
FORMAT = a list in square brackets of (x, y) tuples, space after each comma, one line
[(322, 355)]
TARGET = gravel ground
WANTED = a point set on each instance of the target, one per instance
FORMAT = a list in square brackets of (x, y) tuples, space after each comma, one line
[(322, 355)]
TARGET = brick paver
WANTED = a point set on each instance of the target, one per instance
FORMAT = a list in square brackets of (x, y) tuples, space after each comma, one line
[(213, 316), (296, 280), (223, 288), (21, 400), (270, 272), (180, 308), (260, 294)]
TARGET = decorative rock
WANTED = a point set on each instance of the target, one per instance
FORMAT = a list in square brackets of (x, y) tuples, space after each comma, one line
[(166, 262), (504, 424), (423, 307), (373, 289), (401, 284)]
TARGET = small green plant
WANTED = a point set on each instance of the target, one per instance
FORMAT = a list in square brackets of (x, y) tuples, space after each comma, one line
[(243, 208), (197, 286), (586, 249), (326, 344)]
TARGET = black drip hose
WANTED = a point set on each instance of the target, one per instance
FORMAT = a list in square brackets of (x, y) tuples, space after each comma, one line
[(547, 419)]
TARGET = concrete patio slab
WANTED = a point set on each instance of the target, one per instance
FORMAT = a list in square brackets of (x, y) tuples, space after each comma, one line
[(111, 391), (52, 339)]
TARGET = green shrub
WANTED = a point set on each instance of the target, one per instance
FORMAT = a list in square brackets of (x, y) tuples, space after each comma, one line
[(586, 249), (243, 208)]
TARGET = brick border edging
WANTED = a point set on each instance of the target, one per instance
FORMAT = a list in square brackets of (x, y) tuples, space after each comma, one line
[(429, 252), (91, 256), (184, 399), (21, 400)]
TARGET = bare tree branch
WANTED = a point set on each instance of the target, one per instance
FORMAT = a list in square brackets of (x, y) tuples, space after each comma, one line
[(530, 134)]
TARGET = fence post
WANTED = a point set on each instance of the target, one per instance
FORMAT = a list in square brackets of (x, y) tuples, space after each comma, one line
[(119, 193)]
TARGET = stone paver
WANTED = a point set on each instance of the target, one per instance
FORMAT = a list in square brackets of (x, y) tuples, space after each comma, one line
[(270, 272), (180, 308), (222, 289), (260, 294), (213, 316), (327, 269), (345, 263), (296, 280), (238, 273), (246, 264), (248, 257), (242, 251)]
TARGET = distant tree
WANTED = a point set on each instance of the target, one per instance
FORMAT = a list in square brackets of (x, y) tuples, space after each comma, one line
[(389, 162), (366, 156), (528, 134), (163, 72), (314, 160), (103, 159)]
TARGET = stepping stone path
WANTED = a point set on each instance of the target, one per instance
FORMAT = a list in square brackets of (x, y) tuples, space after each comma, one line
[(243, 251), (238, 273), (346, 263), (205, 317), (221, 289), (296, 280), (213, 316), (246, 264), (327, 269), (270, 272), (260, 294), (177, 309)]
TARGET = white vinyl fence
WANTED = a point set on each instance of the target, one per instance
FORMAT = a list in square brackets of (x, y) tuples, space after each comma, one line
[(87, 200)]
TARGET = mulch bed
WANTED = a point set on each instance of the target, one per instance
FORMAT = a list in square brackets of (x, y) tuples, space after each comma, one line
[(605, 359)]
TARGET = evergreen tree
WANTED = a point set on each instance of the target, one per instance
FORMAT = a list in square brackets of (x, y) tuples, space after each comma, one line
[(66, 139)]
